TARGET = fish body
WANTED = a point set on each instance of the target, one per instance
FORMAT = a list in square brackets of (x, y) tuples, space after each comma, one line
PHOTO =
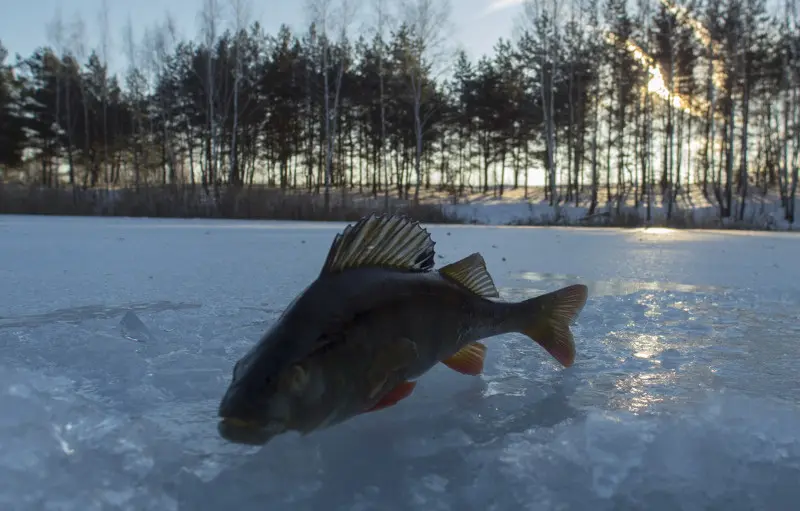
[(376, 318)]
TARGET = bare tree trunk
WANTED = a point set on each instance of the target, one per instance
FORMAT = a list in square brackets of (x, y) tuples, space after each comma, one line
[(210, 16), (712, 121), (670, 141), (78, 50), (416, 85), (104, 43), (743, 174), (320, 11), (548, 34), (130, 50), (241, 10), (328, 132), (384, 159), (729, 160), (595, 170), (427, 21), (56, 33)]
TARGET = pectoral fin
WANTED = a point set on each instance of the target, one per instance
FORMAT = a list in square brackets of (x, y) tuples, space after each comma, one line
[(394, 396), (395, 357), (468, 360)]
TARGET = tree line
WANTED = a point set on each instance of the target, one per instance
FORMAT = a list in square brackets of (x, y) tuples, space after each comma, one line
[(608, 104)]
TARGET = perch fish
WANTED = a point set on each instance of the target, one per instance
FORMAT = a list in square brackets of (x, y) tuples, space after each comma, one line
[(377, 317)]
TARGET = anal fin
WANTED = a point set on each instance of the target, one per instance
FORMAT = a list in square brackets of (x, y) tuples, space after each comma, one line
[(471, 273), (394, 396), (468, 360)]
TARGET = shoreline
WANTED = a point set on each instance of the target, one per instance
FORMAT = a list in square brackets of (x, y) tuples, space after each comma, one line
[(762, 213)]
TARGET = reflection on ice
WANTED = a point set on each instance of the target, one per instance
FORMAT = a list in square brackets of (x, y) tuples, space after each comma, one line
[(65, 448), (660, 231), (638, 393), (647, 346), (617, 287)]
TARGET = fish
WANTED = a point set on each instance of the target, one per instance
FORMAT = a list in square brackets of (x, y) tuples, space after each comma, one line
[(375, 319)]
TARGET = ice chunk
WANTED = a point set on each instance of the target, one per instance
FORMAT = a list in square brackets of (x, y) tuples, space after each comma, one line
[(134, 328)]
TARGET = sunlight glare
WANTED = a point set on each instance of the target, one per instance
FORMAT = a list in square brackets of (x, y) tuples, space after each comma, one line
[(65, 447), (666, 231)]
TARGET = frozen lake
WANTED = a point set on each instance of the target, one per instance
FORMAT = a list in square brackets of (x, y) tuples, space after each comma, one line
[(118, 337)]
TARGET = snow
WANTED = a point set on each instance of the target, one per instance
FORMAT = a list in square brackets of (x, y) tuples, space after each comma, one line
[(695, 211), (119, 335)]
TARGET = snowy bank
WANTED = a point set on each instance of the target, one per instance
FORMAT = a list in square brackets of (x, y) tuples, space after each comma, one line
[(766, 214)]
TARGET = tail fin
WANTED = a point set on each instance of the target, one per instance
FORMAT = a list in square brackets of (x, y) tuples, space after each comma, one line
[(547, 319)]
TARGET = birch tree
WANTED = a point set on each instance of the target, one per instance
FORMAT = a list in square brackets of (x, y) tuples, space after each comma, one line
[(646, 127), (542, 19), (331, 18), (209, 27), (383, 19), (429, 55), (55, 34), (160, 44), (77, 45), (104, 58), (136, 92), (791, 78), (241, 16)]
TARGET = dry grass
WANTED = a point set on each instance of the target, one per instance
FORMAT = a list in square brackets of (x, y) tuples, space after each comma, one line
[(264, 203), (186, 202)]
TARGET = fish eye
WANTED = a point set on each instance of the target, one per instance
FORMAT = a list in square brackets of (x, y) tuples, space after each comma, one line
[(299, 380), (294, 380)]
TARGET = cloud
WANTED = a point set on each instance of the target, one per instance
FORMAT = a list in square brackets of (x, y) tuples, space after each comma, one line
[(499, 5)]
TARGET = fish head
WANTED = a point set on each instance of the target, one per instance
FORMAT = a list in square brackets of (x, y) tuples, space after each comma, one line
[(268, 383), (257, 406)]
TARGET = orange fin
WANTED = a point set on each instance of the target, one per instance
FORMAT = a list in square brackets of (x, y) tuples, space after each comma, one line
[(468, 360), (394, 396), (547, 319)]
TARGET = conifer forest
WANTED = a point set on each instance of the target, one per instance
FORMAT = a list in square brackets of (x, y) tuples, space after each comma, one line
[(599, 104)]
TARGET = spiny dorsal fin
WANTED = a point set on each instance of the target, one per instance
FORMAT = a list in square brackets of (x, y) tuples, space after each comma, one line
[(386, 241), (471, 273)]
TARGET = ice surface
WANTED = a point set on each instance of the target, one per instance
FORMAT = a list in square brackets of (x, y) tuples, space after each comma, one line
[(684, 394)]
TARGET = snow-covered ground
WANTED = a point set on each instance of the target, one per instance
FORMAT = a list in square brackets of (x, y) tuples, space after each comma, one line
[(513, 208), (118, 337)]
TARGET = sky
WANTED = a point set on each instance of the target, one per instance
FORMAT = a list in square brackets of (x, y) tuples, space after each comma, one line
[(476, 24)]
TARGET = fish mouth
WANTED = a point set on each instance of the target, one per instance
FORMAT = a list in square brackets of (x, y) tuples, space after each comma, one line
[(244, 432)]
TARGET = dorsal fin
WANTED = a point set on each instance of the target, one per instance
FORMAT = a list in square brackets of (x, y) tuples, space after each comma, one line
[(471, 273), (386, 241)]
